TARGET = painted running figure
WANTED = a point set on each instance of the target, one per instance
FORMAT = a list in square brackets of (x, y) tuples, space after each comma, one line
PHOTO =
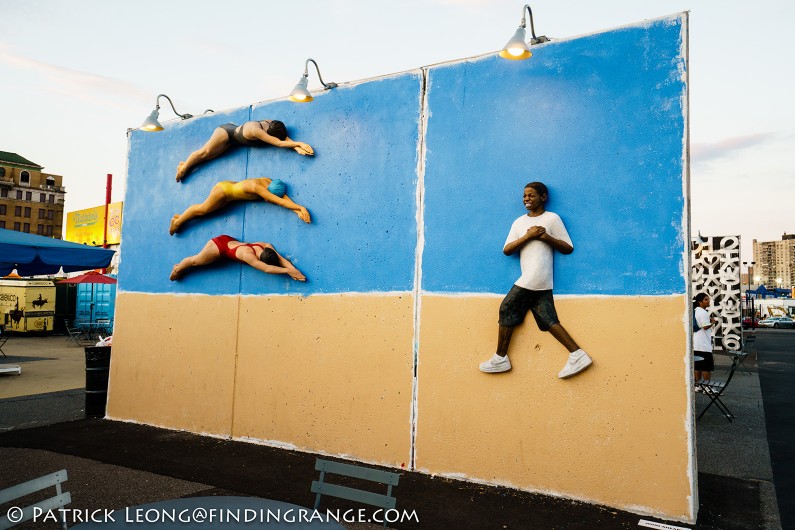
[(226, 191), (536, 236), (262, 256), (250, 134)]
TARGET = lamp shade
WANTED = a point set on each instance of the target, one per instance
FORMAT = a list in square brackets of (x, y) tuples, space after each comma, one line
[(151, 124), (300, 94), (516, 48)]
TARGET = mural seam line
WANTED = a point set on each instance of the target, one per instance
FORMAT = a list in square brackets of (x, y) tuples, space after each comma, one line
[(239, 301), (420, 198)]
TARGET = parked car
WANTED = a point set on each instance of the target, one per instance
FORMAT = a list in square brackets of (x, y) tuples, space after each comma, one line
[(777, 322), (748, 322)]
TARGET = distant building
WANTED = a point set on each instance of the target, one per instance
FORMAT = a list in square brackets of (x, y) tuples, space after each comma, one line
[(30, 201), (774, 260)]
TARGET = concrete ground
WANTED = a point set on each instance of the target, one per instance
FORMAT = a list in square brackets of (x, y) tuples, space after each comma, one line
[(738, 449), (115, 464), (50, 364)]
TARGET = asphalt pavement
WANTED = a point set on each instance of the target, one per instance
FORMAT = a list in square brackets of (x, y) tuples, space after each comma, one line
[(114, 464), (777, 377)]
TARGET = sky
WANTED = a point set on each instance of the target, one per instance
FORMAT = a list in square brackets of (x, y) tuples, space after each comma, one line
[(75, 75)]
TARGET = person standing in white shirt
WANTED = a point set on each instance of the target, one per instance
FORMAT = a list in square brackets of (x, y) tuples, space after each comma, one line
[(536, 236), (702, 339)]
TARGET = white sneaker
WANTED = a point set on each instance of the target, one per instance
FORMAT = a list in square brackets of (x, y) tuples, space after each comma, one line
[(578, 361), (496, 365)]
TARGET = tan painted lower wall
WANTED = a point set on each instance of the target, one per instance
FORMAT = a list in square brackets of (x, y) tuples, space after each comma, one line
[(330, 374), (616, 434), (334, 374), (173, 361)]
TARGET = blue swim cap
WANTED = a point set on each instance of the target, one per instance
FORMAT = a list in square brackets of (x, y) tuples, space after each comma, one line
[(277, 187)]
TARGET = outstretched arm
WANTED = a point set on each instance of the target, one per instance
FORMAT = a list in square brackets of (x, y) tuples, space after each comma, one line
[(284, 202), (262, 135), (286, 268), (294, 273), (300, 147)]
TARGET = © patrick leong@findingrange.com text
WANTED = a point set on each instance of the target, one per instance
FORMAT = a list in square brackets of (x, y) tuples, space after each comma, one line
[(214, 515)]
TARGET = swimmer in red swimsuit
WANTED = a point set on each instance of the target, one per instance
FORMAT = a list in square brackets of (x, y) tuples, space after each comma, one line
[(262, 256), (250, 134)]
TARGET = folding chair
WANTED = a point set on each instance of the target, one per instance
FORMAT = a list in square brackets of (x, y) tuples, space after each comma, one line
[(348, 470), (74, 334), (60, 500), (746, 348), (714, 390)]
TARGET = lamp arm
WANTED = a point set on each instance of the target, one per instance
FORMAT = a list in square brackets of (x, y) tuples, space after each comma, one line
[(157, 105), (534, 40), (317, 68)]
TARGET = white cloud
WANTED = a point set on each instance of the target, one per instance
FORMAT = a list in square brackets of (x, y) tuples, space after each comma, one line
[(702, 152), (83, 86)]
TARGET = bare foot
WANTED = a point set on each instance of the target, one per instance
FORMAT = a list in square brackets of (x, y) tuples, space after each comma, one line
[(174, 274), (303, 213), (174, 225), (181, 170)]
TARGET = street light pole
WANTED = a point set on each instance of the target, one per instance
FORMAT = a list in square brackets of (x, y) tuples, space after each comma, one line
[(748, 293)]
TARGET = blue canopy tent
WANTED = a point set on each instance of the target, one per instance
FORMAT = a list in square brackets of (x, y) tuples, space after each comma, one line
[(30, 254)]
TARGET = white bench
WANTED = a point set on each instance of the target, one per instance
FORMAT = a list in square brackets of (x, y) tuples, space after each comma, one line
[(10, 369)]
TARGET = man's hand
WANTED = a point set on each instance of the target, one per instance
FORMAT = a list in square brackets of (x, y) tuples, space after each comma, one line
[(536, 232)]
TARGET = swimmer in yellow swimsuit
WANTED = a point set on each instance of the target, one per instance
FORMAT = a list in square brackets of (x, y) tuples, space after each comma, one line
[(226, 191)]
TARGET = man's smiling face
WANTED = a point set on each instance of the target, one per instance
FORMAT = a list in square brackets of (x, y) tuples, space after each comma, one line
[(533, 200)]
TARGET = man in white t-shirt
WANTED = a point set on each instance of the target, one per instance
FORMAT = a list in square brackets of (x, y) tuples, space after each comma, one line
[(536, 236), (702, 339)]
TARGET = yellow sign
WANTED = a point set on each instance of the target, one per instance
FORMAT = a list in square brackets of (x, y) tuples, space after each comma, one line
[(86, 226)]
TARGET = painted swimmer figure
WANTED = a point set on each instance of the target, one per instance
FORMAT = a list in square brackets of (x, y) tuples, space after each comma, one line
[(250, 134), (262, 256), (226, 191)]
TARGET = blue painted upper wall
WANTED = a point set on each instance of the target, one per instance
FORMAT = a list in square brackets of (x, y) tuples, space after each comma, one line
[(359, 189), (599, 120)]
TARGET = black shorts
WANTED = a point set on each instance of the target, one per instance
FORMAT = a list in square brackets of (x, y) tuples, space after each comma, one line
[(519, 301), (707, 365)]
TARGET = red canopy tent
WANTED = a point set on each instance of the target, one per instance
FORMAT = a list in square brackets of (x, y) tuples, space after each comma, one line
[(90, 277)]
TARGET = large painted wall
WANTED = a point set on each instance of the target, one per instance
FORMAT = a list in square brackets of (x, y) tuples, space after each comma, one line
[(414, 185)]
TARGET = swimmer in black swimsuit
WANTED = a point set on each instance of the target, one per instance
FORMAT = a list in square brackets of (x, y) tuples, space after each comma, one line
[(250, 134)]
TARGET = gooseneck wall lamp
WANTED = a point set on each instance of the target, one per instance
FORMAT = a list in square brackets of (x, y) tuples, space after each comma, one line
[(517, 47), (300, 94), (151, 124)]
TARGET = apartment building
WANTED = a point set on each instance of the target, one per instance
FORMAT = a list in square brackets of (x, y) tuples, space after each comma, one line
[(30, 201), (775, 262)]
